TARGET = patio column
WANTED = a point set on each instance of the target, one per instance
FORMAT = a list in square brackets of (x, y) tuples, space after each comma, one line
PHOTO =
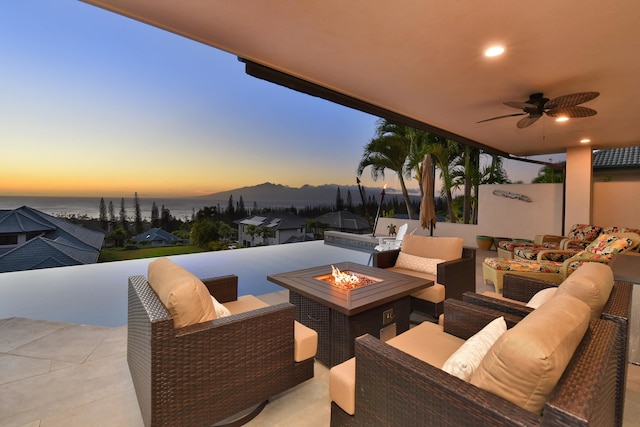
[(578, 187)]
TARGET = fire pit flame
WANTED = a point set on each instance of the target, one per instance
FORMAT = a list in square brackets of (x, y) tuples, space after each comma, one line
[(346, 279), (342, 278)]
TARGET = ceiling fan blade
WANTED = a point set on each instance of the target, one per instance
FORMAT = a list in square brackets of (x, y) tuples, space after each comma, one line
[(501, 117), (519, 105), (570, 100), (572, 112), (527, 121)]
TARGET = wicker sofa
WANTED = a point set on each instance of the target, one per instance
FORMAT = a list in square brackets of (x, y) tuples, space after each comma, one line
[(444, 260), (396, 388), (209, 371), (614, 306)]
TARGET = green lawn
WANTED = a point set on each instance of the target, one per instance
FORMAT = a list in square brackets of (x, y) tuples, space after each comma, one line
[(120, 254)]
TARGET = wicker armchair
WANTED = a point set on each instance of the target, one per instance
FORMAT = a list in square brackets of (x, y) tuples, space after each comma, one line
[(617, 309), (204, 373), (457, 276), (394, 388)]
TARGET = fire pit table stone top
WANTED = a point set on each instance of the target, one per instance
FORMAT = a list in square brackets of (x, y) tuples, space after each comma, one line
[(375, 285)]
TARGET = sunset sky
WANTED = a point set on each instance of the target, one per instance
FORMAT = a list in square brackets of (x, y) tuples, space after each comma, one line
[(95, 104)]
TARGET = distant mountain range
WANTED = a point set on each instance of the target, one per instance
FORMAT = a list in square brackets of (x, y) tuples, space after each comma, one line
[(278, 195)]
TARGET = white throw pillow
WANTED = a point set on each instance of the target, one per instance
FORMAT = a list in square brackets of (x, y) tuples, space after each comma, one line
[(221, 310), (467, 358), (418, 263), (541, 297)]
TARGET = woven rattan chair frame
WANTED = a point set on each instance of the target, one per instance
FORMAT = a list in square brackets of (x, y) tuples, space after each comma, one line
[(457, 276), (201, 374), (394, 388), (617, 309)]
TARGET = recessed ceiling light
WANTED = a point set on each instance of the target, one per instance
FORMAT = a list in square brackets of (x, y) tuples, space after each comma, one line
[(562, 119), (494, 51), (585, 141)]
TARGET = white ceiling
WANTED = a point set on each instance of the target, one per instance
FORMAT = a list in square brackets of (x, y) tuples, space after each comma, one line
[(424, 58)]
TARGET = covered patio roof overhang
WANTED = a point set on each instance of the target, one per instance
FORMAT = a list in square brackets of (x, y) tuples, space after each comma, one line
[(422, 63)]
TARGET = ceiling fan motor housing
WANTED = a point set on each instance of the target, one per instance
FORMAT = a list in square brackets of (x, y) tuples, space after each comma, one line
[(537, 101)]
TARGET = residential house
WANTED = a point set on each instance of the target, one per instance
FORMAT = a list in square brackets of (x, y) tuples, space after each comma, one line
[(617, 164), (273, 229), (345, 221), (30, 239), (156, 237)]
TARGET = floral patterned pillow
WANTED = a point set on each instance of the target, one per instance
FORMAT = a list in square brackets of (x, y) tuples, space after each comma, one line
[(609, 245), (584, 232), (615, 229)]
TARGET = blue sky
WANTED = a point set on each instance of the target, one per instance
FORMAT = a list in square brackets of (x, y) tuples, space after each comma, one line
[(95, 104)]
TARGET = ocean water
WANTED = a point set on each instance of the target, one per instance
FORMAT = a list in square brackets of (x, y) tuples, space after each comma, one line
[(90, 206)]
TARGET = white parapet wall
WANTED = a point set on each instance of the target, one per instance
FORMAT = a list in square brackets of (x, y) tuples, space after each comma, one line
[(503, 214)]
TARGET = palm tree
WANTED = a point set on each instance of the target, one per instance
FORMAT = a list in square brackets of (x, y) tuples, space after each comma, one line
[(251, 231), (494, 173), (402, 149), (468, 174), (548, 175), (444, 152), (390, 149)]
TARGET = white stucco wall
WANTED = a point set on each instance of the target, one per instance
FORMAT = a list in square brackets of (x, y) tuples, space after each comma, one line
[(507, 217)]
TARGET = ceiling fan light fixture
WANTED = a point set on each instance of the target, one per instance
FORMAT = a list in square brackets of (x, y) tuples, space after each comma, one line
[(494, 51), (562, 119)]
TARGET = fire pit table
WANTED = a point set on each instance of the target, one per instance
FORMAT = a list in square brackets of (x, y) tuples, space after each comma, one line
[(372, 300)]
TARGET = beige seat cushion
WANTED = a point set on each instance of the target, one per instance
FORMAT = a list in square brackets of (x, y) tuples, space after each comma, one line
[(245, 303), (342, 385), (305, 342), (435, 293), (183, 294), (432, 251), (526, 362), (592, 282), (446, 248), (427, 342)]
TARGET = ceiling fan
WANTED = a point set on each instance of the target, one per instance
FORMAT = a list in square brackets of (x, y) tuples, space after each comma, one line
[(537, 105)]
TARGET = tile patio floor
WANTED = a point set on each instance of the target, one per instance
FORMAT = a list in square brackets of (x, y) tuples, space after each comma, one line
[(60, 374)]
